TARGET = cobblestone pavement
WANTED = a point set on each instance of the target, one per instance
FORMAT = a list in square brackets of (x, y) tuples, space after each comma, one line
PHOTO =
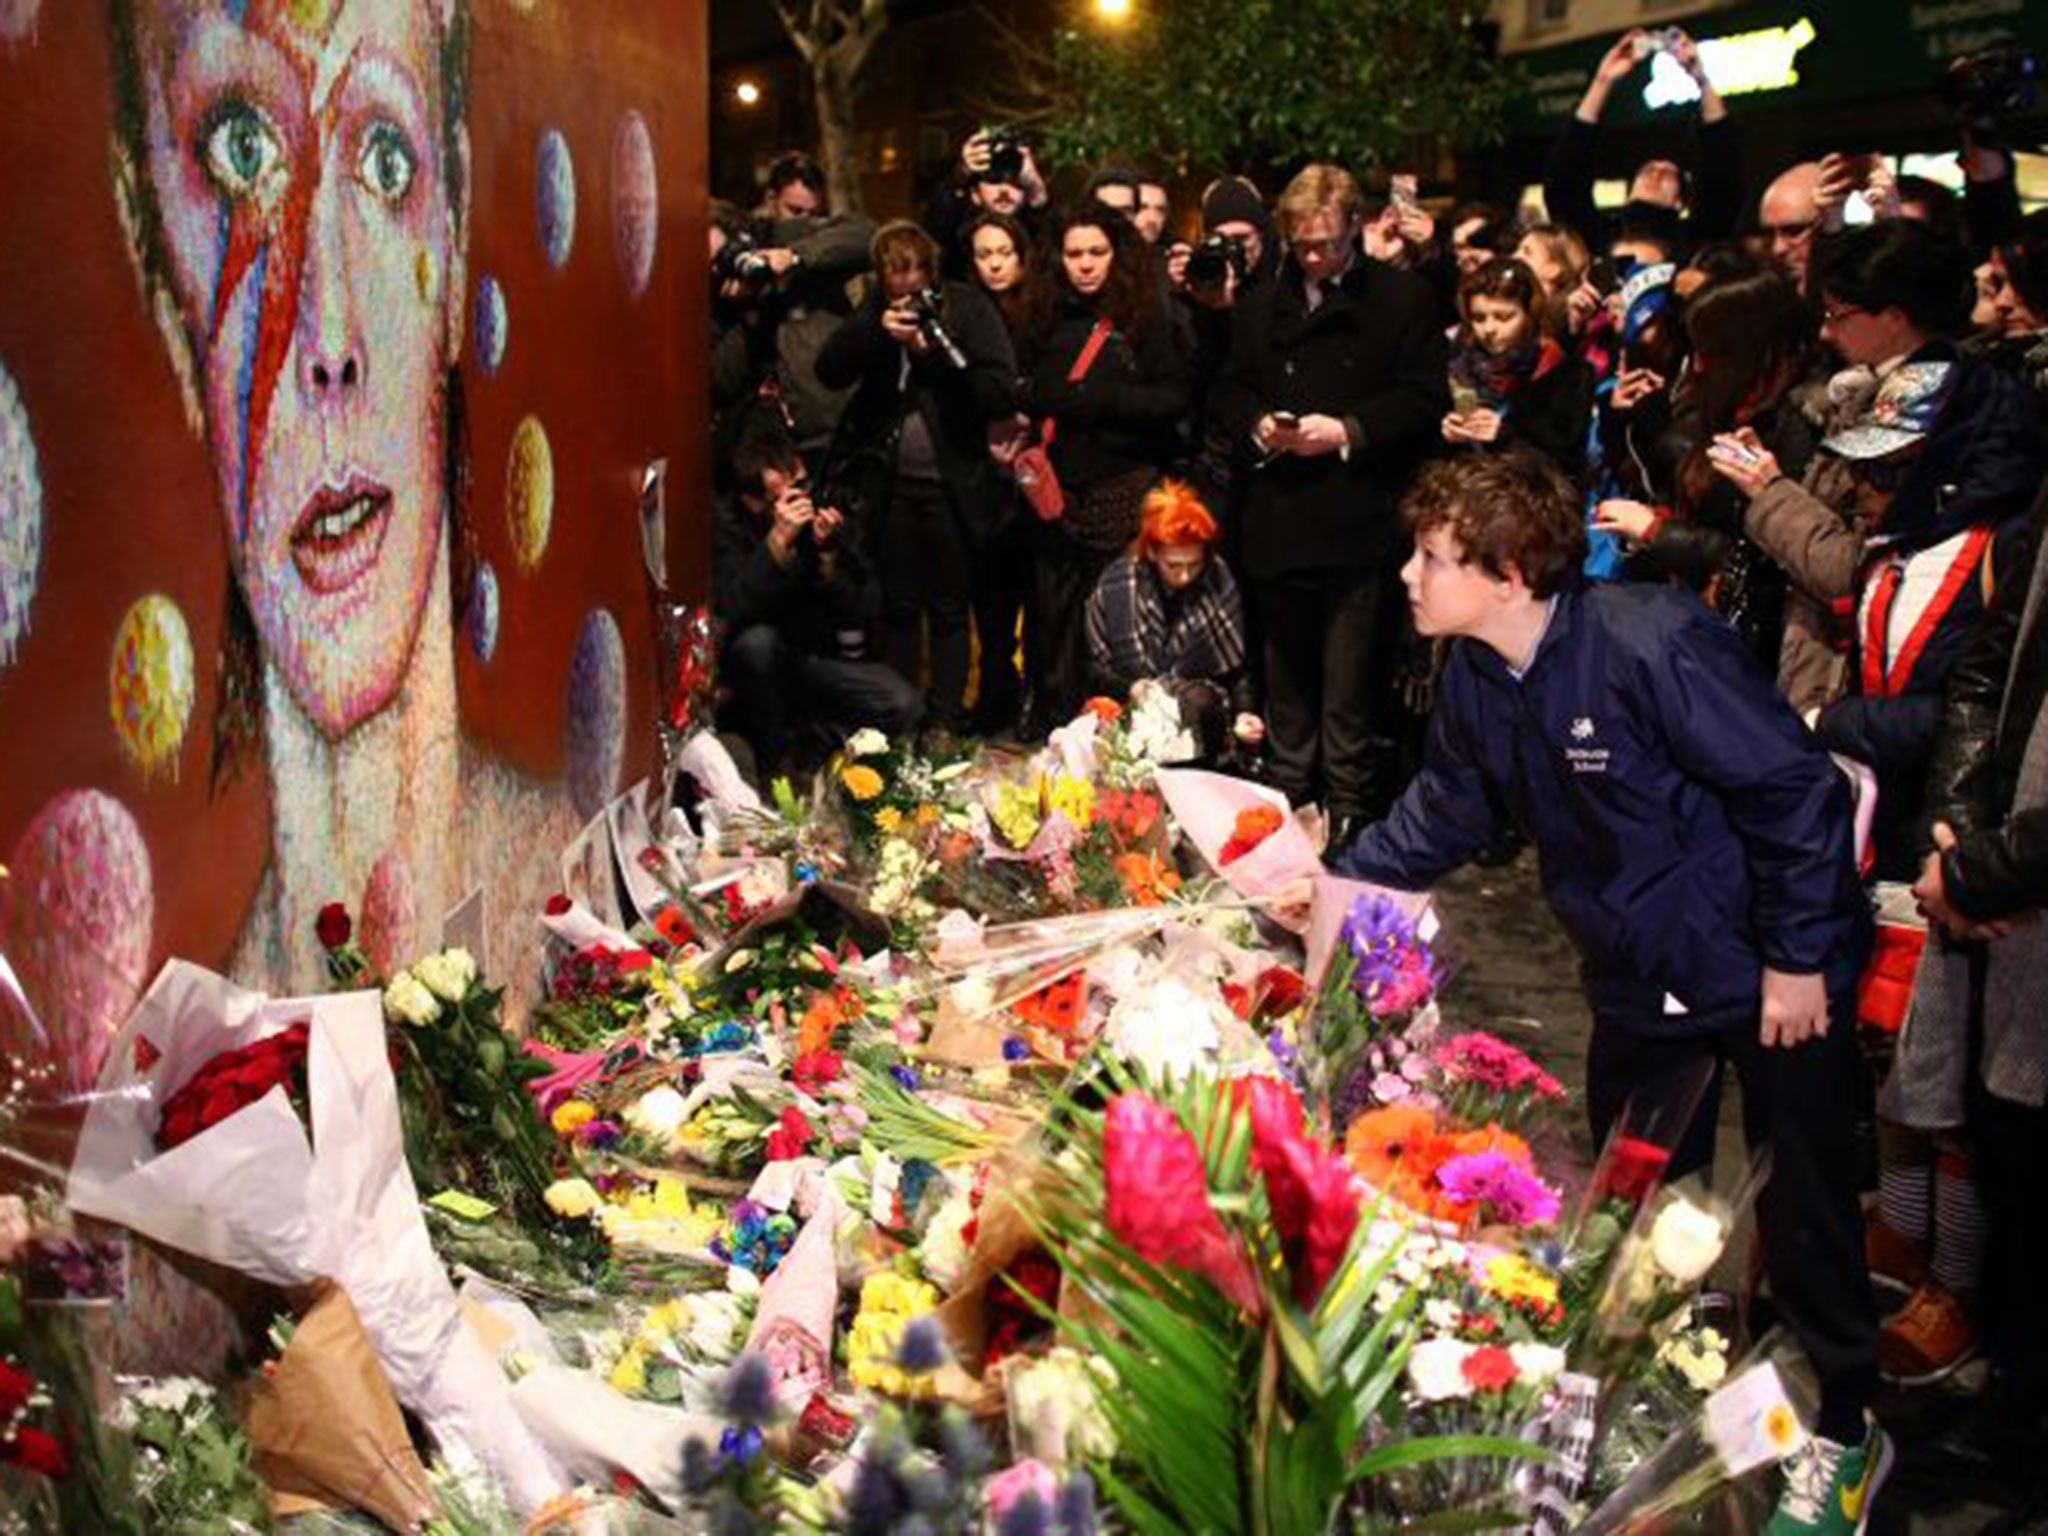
[(1516, 973)]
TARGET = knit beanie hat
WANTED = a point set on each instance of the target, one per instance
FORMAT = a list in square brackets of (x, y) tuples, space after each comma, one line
[(1233, 199)]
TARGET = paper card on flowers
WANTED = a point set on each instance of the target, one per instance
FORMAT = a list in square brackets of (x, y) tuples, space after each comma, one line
[(588, 878), (1751, 1422), (1334, 896), (1206, 807), (579, 928), (640, 861)]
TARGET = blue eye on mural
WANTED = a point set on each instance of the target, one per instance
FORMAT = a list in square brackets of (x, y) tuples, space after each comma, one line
[(556, 198), (483, 613), (596, 713), (21, 519), (635, 202), (244, 155), (490, 324), (387, 162)]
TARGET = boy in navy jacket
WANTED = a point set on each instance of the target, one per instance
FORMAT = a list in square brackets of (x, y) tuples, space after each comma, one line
[(1696, 842)]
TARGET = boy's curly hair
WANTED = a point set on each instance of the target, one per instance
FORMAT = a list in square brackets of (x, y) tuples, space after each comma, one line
[(1510, 509)]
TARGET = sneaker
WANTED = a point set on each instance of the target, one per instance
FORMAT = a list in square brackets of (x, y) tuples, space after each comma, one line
[(1830, 1487), (1891, 1255), (1926, 1339)]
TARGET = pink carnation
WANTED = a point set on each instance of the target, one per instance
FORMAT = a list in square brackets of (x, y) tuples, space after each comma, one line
[(1489, 1061)]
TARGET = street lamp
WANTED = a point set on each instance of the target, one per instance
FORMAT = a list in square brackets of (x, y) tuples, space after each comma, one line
[(1113, 11), (747, 93)]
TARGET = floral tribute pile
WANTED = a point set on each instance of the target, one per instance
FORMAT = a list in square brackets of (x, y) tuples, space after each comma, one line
[(967, 1143)]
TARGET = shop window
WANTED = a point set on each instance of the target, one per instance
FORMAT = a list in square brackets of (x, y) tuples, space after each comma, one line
[(1549, 15)]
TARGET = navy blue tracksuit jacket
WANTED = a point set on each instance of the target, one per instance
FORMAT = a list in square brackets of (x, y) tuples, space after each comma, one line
[(1691, 829)]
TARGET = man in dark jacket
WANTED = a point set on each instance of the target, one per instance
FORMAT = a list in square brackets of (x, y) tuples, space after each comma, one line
[(1657, 207), (1982, 887), (929, 378), (774, 308), (1695, 841), (797, 597), (1334, 387)]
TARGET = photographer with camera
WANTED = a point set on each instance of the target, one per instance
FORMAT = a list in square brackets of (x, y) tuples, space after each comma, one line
[(1658, 197), (1237, 255), (1334, 389), (931, 368), (779, 285), (797, 598), (995, 174)]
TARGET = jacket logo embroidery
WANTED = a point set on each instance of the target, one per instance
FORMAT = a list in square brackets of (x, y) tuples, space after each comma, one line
[(1585, 758)]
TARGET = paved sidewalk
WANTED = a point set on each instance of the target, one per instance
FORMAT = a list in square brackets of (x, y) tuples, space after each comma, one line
[(1514, 972)]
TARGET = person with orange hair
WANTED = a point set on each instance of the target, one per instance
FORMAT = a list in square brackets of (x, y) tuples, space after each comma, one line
[(1169, 611)]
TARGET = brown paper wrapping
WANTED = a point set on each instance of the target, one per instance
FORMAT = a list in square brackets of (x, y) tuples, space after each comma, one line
[(327, 1430)]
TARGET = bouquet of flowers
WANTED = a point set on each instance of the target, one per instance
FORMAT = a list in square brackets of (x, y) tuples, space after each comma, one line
[(257, 1193), (1373, 1024), (193, 1467), (1223, 1254)]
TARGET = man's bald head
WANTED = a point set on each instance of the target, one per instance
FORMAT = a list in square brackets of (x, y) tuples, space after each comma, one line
[(1790, 212)]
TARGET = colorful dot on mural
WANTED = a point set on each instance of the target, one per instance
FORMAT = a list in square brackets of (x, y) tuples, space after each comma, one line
[(18, 19), (79, 916), (635, 202), (597, 714), (555, 193), (21, 518), (491, 324), (530, 492), (149, 684), (482, 618)]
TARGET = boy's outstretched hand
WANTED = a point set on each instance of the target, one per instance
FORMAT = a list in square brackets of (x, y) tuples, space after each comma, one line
[(1795, 1008)]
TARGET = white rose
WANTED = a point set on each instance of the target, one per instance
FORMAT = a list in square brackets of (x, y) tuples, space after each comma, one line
[(1166, 1028), (742, 1282), (1536, 1363), (448, 974), (658, 1113), (1441, 1313), (943, 1253), (1436, 1370), (1685, 1241), (866, 742), (407, 1001), (572, 1198)]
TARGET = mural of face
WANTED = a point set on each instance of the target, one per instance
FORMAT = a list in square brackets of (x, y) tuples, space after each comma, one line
[(311, 204)]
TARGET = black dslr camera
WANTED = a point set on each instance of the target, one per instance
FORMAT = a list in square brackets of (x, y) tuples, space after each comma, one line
[(1005, 156), (927, 307), (1995, 83), (1212, 263), (741, 260)]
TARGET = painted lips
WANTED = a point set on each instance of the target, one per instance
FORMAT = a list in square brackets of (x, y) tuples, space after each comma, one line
[(340, 533)]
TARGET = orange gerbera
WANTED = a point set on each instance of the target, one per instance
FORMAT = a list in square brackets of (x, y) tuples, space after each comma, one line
[(1147, 880), (1398, 1150), (825, 1012), (1104, 709)]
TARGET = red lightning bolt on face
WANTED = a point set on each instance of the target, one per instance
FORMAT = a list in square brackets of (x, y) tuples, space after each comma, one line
[(277, 234)]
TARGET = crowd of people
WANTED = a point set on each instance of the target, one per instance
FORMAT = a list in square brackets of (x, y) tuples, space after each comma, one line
[(1737, 491)]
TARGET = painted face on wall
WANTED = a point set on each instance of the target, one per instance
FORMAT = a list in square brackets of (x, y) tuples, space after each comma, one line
[(315, 243)]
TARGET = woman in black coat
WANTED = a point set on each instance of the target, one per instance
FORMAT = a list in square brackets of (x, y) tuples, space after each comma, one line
[(1112, 428), (933, 368)]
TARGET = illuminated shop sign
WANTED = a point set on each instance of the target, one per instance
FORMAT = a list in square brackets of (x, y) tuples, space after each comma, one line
[(1742, 64)]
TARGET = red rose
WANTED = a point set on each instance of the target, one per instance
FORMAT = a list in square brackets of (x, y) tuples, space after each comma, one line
[(1633, 1170), (230, 1082), (37, 1451), (557, 905), (815, 1069), (333, 926), (1490, 1368), (15, 1386), (791, 1137)]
